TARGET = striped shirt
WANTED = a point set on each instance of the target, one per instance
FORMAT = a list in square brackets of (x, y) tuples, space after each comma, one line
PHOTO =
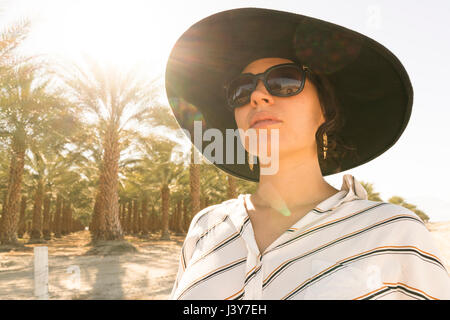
[(347, 247)]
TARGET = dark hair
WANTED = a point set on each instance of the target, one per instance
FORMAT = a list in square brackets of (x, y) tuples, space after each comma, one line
[(337, 148)]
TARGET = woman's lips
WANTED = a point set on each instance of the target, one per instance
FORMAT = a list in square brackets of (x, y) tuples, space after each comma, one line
[(264, 123)]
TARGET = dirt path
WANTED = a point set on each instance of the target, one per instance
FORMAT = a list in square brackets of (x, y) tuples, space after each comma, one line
[(147, 274)]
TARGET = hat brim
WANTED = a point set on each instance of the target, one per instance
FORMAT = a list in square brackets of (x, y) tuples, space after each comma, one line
[(371, 84)]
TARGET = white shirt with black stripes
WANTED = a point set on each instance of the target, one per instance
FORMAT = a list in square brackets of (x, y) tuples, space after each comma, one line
[(346, 248)]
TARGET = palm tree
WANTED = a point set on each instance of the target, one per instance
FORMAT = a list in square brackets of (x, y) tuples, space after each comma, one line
[(51, 163), (163, 116), (160, 171), (143, 178), (154, 218), (36, 165), (115, 99), (10, 39), (28, 112), (180, 191), (36, 231), (75, 188)]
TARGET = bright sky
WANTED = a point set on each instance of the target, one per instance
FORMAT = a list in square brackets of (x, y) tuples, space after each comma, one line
[(133, 31)]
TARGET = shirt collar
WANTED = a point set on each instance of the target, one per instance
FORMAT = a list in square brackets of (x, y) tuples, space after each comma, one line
[(351, 189)]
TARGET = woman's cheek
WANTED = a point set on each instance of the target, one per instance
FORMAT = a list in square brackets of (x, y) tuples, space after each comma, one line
[(239, 116)]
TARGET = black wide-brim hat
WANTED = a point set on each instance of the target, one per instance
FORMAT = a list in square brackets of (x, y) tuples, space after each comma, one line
[(370, 83)]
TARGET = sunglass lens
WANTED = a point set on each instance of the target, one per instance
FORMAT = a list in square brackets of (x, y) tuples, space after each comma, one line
[(239, 91), (284, 81)]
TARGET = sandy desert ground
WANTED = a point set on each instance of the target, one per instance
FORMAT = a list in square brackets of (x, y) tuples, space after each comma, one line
[(73, 273), (441, 234), (148, 273)]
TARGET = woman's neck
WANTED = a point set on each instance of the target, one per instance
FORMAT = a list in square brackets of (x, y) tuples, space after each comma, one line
[(297, 183)]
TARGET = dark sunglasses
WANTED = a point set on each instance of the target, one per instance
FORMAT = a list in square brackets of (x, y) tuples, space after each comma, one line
[(282, 80)]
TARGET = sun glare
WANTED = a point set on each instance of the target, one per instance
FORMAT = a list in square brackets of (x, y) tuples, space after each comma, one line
[(125, 33)]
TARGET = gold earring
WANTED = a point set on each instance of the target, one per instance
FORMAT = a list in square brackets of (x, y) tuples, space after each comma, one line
[(325, 145), (249, 164)]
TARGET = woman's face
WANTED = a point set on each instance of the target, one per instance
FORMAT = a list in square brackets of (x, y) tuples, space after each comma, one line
[(300, 115)]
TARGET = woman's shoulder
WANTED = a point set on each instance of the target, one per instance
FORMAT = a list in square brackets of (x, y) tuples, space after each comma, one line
[(383, 210), (386, 225), (369, 217), (394, 223)]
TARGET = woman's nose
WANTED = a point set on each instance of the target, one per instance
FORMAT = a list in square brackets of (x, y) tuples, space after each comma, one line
[(260, 96)]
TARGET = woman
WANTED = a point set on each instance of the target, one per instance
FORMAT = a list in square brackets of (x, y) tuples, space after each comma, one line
[(335, 99)]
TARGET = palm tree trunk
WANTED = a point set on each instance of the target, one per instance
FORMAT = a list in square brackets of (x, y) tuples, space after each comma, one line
[(165, 194), (109, 185), (64, 217), (69, 217), (36, 234), (129, 216), (3, 211), (145, 217), (194, 176), (52, 220), (140, 227), (122, 214), (180, 218), (58, 216), (98, 220), (46, 222), (232, 188), (171, 218), (186, 216), (153, 227), (22, 227), (8, 232), (135, 217), (176, 217)]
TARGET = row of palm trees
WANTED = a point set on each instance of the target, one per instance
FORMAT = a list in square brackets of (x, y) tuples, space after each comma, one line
[(49, 224), (83, 133), (23, 122)]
